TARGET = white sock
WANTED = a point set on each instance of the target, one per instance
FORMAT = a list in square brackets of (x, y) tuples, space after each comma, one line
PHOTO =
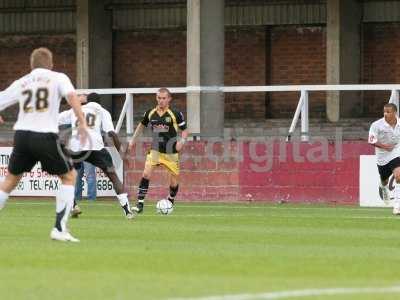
[(123, 199), (396, 203), (3, 198), (64, 200)]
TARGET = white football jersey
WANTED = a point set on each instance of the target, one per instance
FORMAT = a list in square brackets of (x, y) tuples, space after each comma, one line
[(97, 118), (382, 132), (39, 94)]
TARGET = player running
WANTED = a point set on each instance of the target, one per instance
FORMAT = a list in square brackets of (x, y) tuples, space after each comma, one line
[(93, 151), (39, 94), (384, 135)]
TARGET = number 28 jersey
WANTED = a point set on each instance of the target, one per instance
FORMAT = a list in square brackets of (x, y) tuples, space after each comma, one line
[(97, 118), (39, 94)]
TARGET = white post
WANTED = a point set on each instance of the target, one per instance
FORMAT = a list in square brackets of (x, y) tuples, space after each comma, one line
[(121, 116), (394, 98), (129, 114), (304, 118), (295, 117)]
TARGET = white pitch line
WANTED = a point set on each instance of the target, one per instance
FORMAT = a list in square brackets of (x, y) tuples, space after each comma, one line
[(299, 294), (173, 215), (222, 215), (229, 206)]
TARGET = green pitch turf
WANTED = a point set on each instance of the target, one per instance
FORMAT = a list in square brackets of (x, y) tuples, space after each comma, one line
[(202, 249)]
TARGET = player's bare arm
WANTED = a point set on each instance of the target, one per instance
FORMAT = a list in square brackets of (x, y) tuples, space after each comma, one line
[(182, 140), (82, 98), (116, 141), (387, 147), (75, 102), (138, 132)]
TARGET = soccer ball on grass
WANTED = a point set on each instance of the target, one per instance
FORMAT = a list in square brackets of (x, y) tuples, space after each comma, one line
[(164, 207)]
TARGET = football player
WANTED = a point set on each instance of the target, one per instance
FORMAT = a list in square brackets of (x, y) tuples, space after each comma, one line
[(165, 124), (93, 151), (39, 94)]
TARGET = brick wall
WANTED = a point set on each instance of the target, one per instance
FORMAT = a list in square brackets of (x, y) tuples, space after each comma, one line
[(381, 62), (282, 55), (15, 52), (253, 56), (259, 171), (149, 59), (245, 64), (298, 56)]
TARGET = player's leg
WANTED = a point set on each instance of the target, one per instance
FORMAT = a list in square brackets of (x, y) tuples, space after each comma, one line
[(171, 163), (76, 210), (6, 187), (56, 161), (384, 174), (79, 182), (143, 187), (64, 204), (152, 160), (21, 160), (396, 204), (173, 187), (103, 160), (90, 172), (78, 163), (122, 196)]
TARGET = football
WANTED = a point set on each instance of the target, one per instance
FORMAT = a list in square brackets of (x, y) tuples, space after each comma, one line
[(164, 207)]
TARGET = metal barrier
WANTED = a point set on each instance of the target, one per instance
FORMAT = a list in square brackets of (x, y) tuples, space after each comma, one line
[(301, 110)]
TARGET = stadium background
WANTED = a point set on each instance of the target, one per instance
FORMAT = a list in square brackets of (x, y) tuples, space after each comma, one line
[(266, 43)]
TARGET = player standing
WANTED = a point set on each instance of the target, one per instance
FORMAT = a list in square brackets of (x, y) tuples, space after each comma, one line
[(165, 124), (384, 134), (39, 94), (93, 151)]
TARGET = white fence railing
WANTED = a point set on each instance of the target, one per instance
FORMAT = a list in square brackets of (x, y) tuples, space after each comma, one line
[(301, 110)]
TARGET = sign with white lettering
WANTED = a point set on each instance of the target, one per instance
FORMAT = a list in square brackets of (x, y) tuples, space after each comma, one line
[(39, 183)]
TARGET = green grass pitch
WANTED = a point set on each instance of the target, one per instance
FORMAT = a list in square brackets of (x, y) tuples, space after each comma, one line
[(201, 250)]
